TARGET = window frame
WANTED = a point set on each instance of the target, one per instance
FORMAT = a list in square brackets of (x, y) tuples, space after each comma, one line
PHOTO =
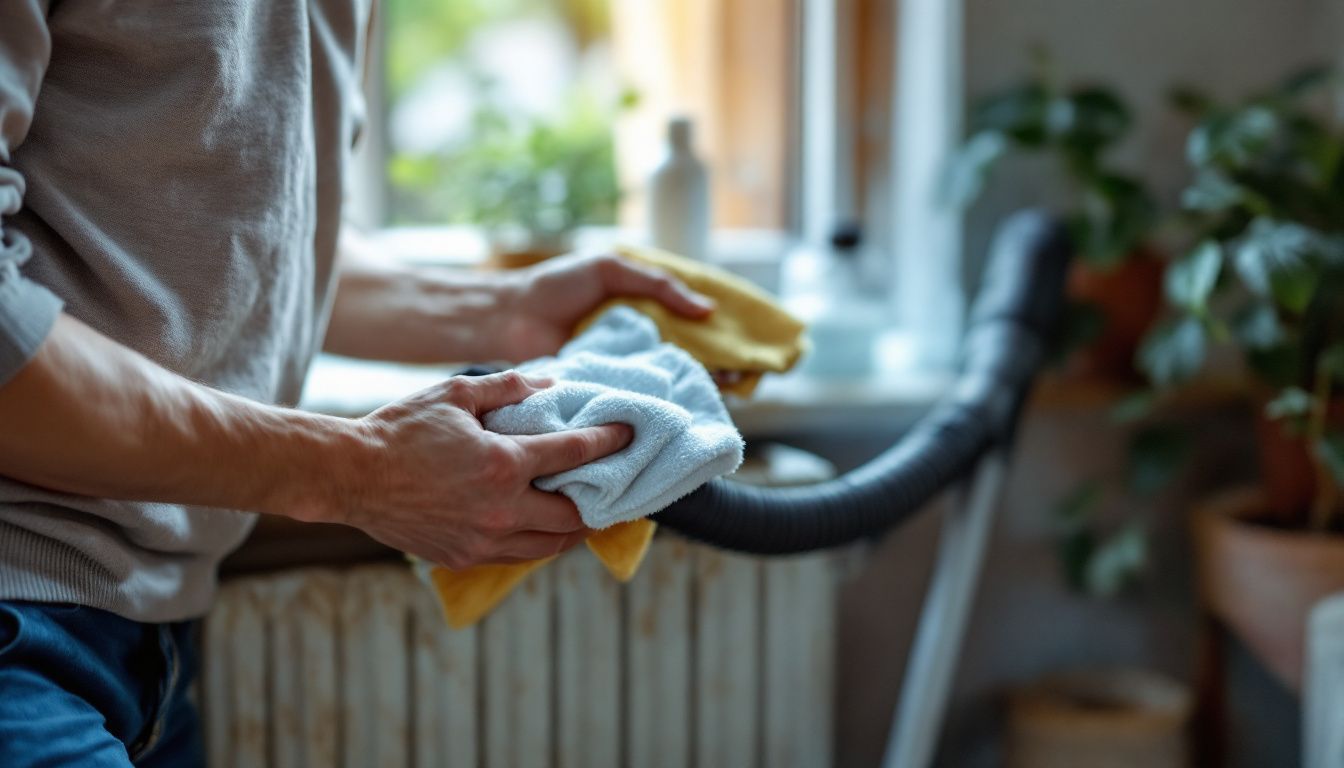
[(368, 192), (833, 178)]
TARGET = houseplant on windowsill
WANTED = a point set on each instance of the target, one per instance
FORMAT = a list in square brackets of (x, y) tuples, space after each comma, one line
[(530, 182), (1268, 276), (1116, 283)]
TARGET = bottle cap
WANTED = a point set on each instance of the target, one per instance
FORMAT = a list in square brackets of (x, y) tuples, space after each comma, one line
[(846, 236)]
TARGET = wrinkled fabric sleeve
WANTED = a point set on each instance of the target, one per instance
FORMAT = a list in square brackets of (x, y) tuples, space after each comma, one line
[(27, 310)]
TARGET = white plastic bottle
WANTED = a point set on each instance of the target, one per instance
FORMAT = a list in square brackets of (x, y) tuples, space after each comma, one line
[(679, 197)]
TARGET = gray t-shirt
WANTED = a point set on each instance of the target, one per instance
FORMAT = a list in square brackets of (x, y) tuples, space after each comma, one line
[(171, 174)]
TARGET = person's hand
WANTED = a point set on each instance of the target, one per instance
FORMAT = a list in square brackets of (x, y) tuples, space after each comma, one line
[(546, 301), (443, 488)]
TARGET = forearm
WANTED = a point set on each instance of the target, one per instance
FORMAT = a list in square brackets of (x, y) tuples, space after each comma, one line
[(386, 311), (90, 417)]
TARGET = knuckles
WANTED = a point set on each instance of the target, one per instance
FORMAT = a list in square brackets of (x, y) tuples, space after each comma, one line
[(501, 464), (456, 390), (609, 266), (576, 450), (512, 380), (462, 390)]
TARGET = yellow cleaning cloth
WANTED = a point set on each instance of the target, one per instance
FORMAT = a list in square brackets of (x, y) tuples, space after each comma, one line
[(748, 333), (467, 596)]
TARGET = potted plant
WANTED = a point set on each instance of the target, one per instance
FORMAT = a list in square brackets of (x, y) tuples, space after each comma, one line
[(1099, 717), (531, 181), (1267, 275), (1115, 285)]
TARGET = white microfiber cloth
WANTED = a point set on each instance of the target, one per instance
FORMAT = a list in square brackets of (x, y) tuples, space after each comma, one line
[(618, 370)]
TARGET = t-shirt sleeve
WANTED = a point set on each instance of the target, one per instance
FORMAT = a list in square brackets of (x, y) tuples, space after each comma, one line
[(27, 310)]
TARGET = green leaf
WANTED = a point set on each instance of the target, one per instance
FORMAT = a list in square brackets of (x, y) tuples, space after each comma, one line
[(1190, 281), (1118, 215), (1293, 288), (1174, 352), (1313, 148), (1018, 112), (1232, 140), (1257, 326), (1331, 450), (1332, 361), (1293, 402), (1279, 365), (1303, 82), (1269, 247), (1089, 120), (1212, 191), (1134, 407), (1331, 250), (536, 175), (1155, 456), (1117, 562), (1075, 509)]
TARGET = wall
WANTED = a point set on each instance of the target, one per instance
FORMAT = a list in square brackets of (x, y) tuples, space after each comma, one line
[(1228, 47), (1026, 622)]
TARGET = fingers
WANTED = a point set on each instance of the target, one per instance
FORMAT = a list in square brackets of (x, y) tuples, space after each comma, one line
[(534, 545), (482, 394), (547, 513), (560, 451), (536, 525), (626, 278), (520, 547)]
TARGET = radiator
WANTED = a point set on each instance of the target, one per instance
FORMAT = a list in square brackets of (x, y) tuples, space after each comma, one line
[(705, 659)]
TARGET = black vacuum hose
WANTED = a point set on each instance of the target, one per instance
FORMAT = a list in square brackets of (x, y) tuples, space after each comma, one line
[(1011, 324)]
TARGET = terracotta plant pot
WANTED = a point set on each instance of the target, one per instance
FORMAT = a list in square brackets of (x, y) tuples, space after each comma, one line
[(1286, 471), (1286, 468), (1129, 298), (512, 254), (1123, 718), (1261, 581)]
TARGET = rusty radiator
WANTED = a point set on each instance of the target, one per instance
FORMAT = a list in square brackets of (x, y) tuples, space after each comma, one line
[(705, 659)]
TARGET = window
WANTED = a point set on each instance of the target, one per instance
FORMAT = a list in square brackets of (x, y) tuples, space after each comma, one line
[(555, 108), (808, 112)]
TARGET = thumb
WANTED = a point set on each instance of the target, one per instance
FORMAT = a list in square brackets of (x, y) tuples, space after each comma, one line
[(482, 394)]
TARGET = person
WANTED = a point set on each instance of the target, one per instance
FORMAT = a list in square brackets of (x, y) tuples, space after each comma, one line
[(171, 258)]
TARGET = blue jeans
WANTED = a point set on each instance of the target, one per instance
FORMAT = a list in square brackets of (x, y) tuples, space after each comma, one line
[(80, 686)]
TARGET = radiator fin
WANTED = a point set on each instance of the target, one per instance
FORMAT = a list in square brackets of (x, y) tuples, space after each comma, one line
[(704, 659)]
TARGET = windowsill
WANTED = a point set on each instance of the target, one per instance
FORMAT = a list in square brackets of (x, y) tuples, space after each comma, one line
[(886, 400), (755, 254)]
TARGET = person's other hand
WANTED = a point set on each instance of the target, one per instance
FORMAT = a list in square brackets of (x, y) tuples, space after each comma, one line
[(546, 301), (441, 487)]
